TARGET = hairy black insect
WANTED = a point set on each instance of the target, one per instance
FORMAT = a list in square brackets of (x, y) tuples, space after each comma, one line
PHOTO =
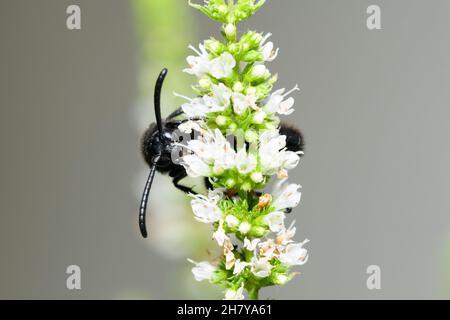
[(156, 147)]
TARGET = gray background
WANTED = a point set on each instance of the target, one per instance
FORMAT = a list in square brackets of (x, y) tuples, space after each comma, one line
[(374, 108)]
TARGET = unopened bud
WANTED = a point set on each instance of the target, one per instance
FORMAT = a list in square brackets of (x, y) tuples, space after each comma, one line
[(244, 227), (232, 221), (238, 87), (257, 177), (259, 71), (281, 279), (251, 136), (230, 30), (230, 183), (221, 121), (204, 83)]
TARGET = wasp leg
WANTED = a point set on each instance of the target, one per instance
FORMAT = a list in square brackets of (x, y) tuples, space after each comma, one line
[(178, 175), (208, 184), (185, 189)]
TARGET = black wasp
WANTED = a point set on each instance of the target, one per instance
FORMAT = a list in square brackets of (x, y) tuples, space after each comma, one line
[(157, 146)]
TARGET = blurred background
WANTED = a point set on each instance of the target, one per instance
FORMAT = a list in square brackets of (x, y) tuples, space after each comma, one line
[(374, 108)]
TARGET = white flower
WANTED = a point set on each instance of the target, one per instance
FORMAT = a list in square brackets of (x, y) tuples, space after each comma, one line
[(267, 248), (195, 167), (232, 221), (286, 195), (229, 260), (290, 159), (294, 254), (235, 294), (189, 126), (261, 267), (202, 270), (259, 116), (264, 39), (222, 66), (205, 209), (220, 235), (212, 154), (199, 107), (251, 245), (199, 65), (275, 104), (220, 98), (273, 154), (239, 103), (285, 236), (195, 108), (215, 195), (245, 163), (242, 102), (275, 221), (268, 53), (244, 227), (239, 266)]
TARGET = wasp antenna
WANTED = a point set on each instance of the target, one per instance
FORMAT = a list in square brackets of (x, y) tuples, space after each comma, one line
[(145, 194), (157, 100)]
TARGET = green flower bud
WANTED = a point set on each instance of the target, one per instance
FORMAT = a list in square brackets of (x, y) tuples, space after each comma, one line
[(257, 74), (258, 231), (219, 276), (234, 48), (259, 71), (257, 177), (238, 87), (251, 136), (214, 46), (232, 127), (222, 9), (221, 121), (218, 171), (281, 279), (251, 39), (229, 12), (246, 186), (230, 183), (205, 83), (230, 31), (214, 9), (252, 56)]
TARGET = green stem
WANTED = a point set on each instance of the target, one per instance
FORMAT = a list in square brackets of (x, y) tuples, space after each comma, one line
[(253, 293)]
